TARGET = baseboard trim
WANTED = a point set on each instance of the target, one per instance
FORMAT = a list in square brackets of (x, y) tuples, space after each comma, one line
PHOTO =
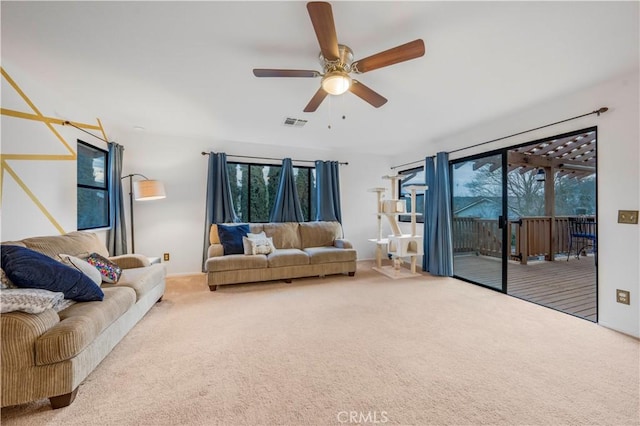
[(629, 333)]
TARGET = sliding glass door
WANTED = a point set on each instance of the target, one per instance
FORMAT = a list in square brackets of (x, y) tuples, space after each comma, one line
[(478, 231), (515, 221)]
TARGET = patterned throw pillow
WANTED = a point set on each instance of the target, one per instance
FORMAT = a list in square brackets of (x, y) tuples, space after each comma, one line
[(258, 244), (5, 282), (82, 266), (30, 300), (110, 271)]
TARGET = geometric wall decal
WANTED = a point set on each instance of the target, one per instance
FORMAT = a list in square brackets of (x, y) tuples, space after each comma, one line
[(33, 140)]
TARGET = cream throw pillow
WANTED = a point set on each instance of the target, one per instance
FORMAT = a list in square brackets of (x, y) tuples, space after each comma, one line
[(257, 244), (82, 266)]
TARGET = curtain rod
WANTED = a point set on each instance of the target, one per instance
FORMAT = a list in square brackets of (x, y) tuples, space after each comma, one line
[(270, 158), (68, 123), (598, 112)]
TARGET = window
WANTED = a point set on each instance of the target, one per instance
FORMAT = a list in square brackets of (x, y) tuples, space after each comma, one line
[(254, 188), (93, 191), (413, 176)]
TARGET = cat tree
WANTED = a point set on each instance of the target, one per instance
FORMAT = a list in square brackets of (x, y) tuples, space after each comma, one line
[(398, 245)]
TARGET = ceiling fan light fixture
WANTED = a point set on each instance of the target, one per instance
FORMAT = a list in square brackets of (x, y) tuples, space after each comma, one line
[(336, 82)]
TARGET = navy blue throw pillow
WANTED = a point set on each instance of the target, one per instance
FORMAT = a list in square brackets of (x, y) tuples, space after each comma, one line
[(30, 269), (231, 237)]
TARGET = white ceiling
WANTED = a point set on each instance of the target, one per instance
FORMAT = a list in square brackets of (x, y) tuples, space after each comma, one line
[(185, 68)]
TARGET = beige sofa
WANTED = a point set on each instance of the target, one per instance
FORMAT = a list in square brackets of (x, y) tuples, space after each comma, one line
[(302, 250), (48, 355)]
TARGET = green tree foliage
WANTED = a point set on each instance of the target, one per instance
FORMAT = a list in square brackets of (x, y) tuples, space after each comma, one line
[(235, 183), (302, 186), (244, 192), (256, 206), (258, 202), (273, 181)]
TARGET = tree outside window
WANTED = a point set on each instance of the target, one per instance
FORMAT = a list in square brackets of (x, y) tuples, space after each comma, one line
[(254, 188), (93, 191)]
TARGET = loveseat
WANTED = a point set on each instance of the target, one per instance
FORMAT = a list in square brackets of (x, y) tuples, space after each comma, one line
[(49, 354), (299, 250)]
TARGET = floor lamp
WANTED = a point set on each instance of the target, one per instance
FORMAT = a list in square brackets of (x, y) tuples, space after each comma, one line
[(142, 190)]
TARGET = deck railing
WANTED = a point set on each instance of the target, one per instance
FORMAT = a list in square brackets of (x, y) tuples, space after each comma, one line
[(529, 237)]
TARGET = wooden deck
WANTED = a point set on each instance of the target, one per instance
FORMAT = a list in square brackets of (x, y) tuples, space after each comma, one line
[(566, 286)]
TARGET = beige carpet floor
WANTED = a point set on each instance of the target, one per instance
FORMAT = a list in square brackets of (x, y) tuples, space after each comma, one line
[(363, 350)]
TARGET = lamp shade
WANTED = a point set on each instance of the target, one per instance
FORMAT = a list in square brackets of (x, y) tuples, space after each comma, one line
[(144, 190), (336, 82)]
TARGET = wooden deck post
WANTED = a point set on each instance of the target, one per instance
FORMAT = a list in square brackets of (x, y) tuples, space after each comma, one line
[(524, 242), (550, 209)]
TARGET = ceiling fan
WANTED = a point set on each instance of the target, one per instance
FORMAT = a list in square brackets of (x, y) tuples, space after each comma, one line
[(337, 61)]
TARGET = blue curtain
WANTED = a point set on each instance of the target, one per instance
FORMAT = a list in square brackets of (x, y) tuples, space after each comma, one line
[(328, 191), (440, 248), (429, 178), (287, 204), (219, 205), (117, 234)]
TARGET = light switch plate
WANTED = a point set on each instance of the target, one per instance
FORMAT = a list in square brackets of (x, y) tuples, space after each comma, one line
[(623, 296), (628, 216)]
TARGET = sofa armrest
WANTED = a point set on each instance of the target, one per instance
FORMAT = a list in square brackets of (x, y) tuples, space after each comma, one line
[(342, 243), (128, 261), (20, 331), (215, 250)]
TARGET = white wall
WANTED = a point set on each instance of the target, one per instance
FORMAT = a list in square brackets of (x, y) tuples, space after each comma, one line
[(38, 195), (618, 177), (175, 225)]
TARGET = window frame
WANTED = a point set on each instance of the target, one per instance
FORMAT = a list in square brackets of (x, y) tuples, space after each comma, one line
[(249, 165), (106, 188), (407, 218)]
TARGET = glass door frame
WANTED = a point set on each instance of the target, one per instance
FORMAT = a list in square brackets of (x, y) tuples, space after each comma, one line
[(502, 222)]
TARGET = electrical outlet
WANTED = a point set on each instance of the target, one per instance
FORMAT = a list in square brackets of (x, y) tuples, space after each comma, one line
[(623, 296), (628, 216), (166, 257)]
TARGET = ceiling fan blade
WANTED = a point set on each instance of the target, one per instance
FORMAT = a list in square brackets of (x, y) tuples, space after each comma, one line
[(367, 94), (323, 24), (315, 102), (413, 49), (261, 72)]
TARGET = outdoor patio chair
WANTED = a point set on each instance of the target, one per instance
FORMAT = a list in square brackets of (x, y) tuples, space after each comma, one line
[(582, 235)]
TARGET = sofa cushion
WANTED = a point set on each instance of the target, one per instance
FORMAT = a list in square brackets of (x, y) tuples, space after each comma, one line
[(319, 234), (285, 235), (80, 324), (319, 255), (31, 269), (231, 237), (287, 257), (234, 262), (77, 243), (141, 280), (256, 228)]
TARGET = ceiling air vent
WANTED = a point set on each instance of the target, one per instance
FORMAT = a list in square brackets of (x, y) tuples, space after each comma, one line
[(294, 122)]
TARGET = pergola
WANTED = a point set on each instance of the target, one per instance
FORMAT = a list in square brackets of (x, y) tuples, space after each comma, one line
[(572, 156)]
